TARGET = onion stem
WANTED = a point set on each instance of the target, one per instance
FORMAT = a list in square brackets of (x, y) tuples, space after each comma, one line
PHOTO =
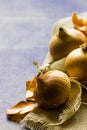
[(40, 68)]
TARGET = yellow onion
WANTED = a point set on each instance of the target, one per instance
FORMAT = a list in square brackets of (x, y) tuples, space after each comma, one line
[(52, 90), (76, 63), (66, 40)]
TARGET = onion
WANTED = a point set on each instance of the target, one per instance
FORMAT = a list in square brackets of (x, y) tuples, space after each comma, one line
[(66, 40), (76, 63), (52, 90)]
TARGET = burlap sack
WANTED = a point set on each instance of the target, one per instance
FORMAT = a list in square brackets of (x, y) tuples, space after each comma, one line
[(60, 119), (41, 119)]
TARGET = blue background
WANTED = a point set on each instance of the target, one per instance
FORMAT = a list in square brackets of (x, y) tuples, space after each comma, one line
[(25, 31)]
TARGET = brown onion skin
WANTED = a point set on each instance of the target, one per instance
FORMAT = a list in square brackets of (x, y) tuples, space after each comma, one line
[(64, 42), (52, 89), (76, 64)]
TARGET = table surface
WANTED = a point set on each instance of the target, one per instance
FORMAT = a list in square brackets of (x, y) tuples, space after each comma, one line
[(25, 31)]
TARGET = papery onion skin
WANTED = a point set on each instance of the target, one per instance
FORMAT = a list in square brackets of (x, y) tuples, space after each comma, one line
[(53, 89), (64, 42), (76, 64), (79, 23)]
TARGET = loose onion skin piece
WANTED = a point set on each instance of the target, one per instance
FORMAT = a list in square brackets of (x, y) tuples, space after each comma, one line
[(17, 112), (30, 86), (79, 23), (76, 63)]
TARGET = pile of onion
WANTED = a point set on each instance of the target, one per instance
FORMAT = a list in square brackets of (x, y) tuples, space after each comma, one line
[(76, 63)]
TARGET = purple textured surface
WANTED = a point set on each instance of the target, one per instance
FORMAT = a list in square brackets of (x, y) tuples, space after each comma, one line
[(16, 67)]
